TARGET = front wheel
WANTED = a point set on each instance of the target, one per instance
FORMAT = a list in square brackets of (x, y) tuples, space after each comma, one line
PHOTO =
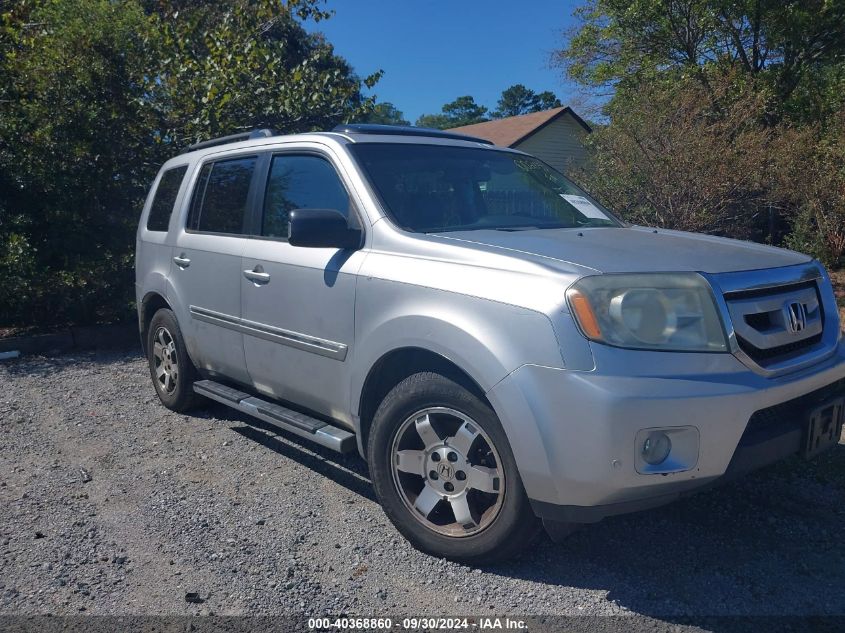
[(443, 470)]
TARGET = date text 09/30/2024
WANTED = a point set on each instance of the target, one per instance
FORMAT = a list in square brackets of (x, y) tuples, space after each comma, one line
[(413, 624)]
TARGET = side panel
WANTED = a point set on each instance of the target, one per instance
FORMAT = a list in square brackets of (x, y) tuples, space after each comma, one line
[(488, 340), (206, 296), (299, 320), (300, 324), (153, 251)]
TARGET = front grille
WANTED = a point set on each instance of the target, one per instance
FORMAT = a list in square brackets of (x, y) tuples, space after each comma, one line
[(764, 325), (781, 352), (766, 292), (790, 414)]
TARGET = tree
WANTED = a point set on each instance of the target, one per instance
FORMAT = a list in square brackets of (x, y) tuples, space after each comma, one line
[(247, 64), (518, 100), (385, 113), (620, 44), (664, 160), (435, 121), (462, 111), (96, 94), (546, 100), (722, 117), (76, 157), (465, 111), (811, 175)]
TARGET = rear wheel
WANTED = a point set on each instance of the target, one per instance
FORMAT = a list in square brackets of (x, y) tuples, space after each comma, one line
[(171, 369), (444, 473)]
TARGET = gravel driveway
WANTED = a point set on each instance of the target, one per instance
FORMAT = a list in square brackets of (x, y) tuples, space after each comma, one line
[(111, 504)]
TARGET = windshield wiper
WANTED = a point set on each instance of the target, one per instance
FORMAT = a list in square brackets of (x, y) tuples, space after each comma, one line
[(514, 228), (531, 227)]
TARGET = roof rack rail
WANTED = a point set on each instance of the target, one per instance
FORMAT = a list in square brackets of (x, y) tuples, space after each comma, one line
[(404, 130), (241, 136)]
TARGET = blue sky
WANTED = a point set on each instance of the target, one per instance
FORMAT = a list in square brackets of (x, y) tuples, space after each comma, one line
[(434, 51)]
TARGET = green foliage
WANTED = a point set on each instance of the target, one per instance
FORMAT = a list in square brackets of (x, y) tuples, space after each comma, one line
[(623, 44), (385, 113), (435, 121), (465, 111), (667, 159), (812, 179), (75, 129), (462, 111), (518, 100), (96, 94), (230, 66), (804, 238), (724, 117)]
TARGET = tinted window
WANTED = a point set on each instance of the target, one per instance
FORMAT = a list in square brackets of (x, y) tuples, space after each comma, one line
[(165, 198), (300, 182), (435, 188), (220, 196)]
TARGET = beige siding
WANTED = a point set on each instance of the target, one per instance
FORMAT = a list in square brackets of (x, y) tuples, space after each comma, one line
[(558, 143)]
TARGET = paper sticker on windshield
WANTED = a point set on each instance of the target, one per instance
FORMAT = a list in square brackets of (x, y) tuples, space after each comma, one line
[(584, 206)]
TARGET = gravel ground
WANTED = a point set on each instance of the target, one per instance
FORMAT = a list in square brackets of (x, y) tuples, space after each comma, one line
[(110, 504)]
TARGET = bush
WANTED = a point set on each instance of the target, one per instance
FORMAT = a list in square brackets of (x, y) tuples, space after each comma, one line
[(811, 177), (96, 94), (679, 156), (670, 158)]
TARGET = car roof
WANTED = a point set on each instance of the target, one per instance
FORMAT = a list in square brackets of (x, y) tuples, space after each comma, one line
[(341, 135)]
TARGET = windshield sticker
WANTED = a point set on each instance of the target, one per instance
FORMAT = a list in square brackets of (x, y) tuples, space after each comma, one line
[(527, 165), (584, 206)]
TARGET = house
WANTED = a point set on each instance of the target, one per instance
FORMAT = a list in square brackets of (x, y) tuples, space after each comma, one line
[(555, 136)]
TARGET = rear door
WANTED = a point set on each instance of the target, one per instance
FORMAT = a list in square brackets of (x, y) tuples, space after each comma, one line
[(206, 271), (299, 303), (153, 251)]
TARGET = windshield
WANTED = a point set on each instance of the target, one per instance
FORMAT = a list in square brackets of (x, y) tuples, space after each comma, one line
[(437, 188)]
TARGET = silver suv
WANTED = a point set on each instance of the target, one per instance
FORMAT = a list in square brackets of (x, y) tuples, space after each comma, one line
[(497, 345)]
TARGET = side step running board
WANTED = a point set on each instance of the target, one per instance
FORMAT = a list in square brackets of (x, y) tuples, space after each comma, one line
[(300, 424)]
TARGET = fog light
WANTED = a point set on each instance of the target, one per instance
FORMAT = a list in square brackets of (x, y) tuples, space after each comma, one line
[(656, 448)]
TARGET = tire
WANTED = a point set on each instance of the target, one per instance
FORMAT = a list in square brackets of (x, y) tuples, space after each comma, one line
[(171, 369), (478, 518)]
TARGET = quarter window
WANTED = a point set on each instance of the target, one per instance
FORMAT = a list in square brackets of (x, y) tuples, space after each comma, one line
[(165, 198), (300, 182), (220, 196)]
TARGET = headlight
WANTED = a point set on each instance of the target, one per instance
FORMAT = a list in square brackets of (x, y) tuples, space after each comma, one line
[(665, 311)]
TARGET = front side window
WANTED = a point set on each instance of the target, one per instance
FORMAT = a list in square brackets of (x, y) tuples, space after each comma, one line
[(437, 188), (165, 198), (300, 182), (220, 196)]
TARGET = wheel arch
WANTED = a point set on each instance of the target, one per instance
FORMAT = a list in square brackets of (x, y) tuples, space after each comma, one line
[(151, 303), (392, 368), (460, 336)]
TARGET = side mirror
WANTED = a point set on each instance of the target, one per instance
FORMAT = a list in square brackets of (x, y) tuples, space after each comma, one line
[(322, 228)]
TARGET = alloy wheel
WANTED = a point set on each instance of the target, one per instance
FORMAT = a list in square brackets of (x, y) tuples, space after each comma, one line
[(166, 360), (447, 472)]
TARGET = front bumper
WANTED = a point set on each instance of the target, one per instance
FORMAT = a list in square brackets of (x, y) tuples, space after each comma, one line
[(573, 432)]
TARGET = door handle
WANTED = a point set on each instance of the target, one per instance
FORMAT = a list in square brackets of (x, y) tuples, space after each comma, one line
[(181, 261), (257, 275)]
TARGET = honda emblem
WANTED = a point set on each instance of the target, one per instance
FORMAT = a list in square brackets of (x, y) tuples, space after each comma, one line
[(796, 316)]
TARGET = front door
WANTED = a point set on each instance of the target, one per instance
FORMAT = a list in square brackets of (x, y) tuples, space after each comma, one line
[(298, 303), (206, 271)]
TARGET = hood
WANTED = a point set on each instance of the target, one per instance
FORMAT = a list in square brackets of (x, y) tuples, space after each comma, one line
[(631, 249)]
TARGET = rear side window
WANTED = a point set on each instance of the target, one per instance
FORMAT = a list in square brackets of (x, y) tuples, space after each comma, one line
[(300, 182), (165, 198), (220, 196)]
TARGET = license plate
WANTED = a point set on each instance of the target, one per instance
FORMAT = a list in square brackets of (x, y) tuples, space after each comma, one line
[(824, 428)]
